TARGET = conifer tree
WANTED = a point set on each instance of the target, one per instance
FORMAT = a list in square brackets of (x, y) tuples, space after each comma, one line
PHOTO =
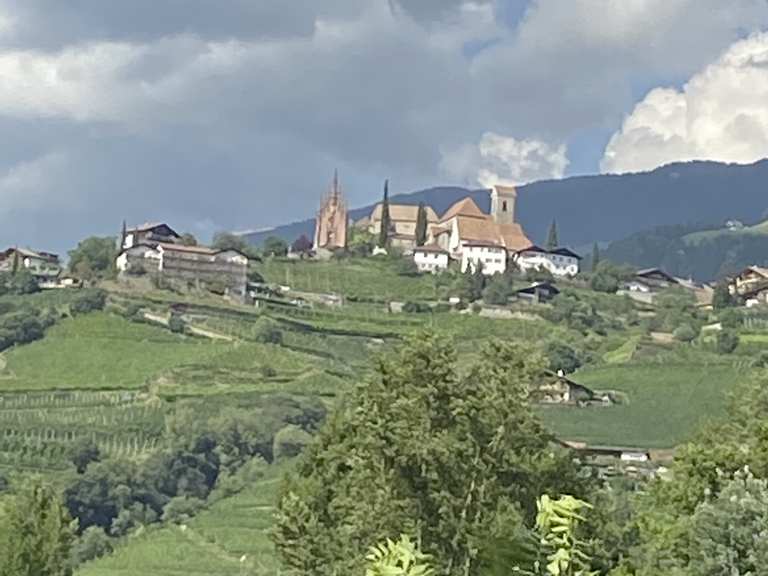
[(421, 225), (552, 239), (37, 536), (595, 256), (385, 219), (15, 264)]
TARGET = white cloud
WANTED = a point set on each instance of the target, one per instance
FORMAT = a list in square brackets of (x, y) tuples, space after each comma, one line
[(29, 184), (720, 114), (501, 159)]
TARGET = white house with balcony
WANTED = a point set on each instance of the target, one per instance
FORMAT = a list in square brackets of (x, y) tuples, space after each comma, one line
[(491, 257), (558, 262), (430, 258)]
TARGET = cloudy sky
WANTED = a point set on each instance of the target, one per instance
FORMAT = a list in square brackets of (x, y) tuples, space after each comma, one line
[(233, 114)]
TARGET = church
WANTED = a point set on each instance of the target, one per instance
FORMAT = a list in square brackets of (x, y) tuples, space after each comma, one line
[(477, 239), (332, 221)]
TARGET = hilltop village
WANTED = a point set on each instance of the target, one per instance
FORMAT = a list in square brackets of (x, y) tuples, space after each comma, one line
[(167, 385)]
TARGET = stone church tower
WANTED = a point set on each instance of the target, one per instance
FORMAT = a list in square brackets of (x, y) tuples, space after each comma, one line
[(503, 200), (331, 222)]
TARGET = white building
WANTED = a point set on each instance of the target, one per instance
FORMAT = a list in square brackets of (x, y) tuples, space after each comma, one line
[(491, 257), (558, 262), (430, 258)]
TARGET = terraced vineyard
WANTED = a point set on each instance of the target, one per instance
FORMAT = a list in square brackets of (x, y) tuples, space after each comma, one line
[(37, 428)]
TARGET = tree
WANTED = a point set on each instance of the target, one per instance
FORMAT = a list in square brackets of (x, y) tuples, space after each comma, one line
[(386, 221), (562, 357), (82, 453), (94, 257), (229, 241), (302, 245), (727, 341), (90, 300), (552, 238), (274, 246), (38, 535), (608, 277), (595, 256), (23, 282), (722, 297), (425, 448), (176, 324), (188, 239), (498, 290), (421, 225)]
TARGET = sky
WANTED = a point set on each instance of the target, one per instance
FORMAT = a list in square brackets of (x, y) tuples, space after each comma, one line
[(233, 114)]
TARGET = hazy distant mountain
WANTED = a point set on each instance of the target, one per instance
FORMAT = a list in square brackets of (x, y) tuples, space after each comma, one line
[(610, 207)]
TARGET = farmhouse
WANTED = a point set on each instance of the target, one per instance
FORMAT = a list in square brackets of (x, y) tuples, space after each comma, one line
[(478, 239), (538, 292), (44, 266), (557, 389), (402, 219), (749, 280), (559, 262), (155, 250), (148, 233)]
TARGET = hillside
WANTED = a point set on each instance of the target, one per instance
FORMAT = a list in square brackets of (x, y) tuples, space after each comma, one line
[(704, 253), (608, 207)]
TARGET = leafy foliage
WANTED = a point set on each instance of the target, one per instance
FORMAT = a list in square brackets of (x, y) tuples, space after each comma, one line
[(421, 225), (401, 558), (38, 535), (94, 257), (423, 448), (274, 246)]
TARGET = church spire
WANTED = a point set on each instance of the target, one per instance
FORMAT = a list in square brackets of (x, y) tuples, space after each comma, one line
[(335, 190)]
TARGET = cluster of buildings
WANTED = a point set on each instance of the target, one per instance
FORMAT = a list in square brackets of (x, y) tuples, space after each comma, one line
[(45, 267), (464, 234), (158, 250)]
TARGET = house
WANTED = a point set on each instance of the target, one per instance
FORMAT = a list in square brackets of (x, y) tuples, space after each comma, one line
[(149, 233), (558, 262), (749, 280), (650, 280), (473, 237), (403, 219), (190, 266), (538, 292), (557, 389), (430, 258), (44, 266)]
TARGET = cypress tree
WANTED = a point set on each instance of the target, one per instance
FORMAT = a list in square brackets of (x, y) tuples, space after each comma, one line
[(552, 239), (421, 225), (595, 256), (385, 219)]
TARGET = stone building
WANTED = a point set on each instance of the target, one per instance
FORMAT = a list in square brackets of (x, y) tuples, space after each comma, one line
[(403, 220), (332, 221)]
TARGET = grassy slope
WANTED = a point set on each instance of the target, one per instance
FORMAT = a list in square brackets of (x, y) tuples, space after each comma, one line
[(697, 238), (666, 403), (212, 544), (98, 351)]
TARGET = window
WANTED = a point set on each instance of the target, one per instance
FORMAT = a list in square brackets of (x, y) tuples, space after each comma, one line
[(504, 206)]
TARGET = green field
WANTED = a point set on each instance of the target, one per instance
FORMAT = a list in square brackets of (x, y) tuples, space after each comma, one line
[(372, 278), (666, 403), (212, 544)]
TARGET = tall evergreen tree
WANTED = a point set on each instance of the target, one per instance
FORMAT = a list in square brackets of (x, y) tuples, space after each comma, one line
[(595, 256), (15, 264), (552, 240), (37, 536), (386, 221), (421, 225)]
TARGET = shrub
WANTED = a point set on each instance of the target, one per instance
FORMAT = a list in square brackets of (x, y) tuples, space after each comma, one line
[(289, 442), (94, 543), (727, 341), (562, 357), (416, 308), (477, 308), (267, 371), (82, 453), (133, 312), (181, 509), (761, 361), (91, 300), (176, 324), (685, 333), (267, 332)]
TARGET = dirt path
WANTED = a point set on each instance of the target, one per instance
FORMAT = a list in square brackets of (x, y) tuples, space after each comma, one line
[(196, 330)]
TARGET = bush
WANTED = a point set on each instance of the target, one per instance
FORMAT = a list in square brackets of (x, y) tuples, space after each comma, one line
[(416, 308), (267, 332), (289, 442), (82, 453), (727, 341), (761, 361), (21, 327), (23, 283), (94, 543), (91, 300), (181, 509), (230, 484), (133, 312), (685, 333), (476, 308), (498, 290), (562, 357), (267, 371), (407, 267), (176, 324)]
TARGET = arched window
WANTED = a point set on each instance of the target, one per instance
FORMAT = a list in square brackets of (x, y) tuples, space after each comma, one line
[(504, 206)]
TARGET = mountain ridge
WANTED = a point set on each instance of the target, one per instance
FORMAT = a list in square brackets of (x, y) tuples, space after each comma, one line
[(605, 207)]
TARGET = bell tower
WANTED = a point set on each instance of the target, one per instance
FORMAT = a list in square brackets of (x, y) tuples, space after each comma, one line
[(503, 200)]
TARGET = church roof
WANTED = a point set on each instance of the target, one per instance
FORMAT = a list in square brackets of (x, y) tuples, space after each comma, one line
[(464, 207), (403, 213), (478, 230), (514, 237)]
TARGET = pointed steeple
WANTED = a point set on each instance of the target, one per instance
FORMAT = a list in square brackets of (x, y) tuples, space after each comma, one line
[(335, 190)]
